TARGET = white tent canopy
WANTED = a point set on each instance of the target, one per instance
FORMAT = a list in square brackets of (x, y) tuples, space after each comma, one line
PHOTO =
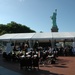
[(42, 36), (23, 36), (16, 36), (63, 35), (38, 36), (7, 37)]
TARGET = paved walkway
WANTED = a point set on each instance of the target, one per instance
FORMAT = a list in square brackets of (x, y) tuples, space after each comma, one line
[(5, 71), (65, 66)]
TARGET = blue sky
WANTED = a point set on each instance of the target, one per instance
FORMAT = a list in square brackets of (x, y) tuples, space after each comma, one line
[(36, 14)]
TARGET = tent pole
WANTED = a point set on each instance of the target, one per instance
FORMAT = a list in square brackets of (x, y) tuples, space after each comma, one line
[(52, 41), (30, 43)]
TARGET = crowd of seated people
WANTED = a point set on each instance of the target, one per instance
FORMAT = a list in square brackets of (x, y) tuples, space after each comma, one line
[(29, 60), (31, 57)]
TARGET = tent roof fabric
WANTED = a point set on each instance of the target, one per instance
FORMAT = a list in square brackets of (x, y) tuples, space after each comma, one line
[(38, 36), (63, 35), (7, 37), (22, 36), (16, 36), (42, 36)]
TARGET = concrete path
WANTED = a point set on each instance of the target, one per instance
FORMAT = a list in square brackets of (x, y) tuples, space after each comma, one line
[(4, 71), (65, 66)]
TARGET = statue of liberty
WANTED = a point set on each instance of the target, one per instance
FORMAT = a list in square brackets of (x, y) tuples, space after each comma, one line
[(53, 17), (54, 26)]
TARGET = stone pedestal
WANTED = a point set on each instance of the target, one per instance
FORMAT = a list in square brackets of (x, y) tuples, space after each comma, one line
[(54, 29)]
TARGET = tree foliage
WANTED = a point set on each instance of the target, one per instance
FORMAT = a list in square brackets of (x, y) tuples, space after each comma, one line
[(14, 27)]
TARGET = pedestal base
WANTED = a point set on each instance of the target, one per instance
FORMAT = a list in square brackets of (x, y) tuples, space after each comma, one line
[(54, 29)]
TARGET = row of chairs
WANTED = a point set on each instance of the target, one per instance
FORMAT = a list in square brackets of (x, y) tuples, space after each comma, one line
[(9, 56), (29, 62), (24, 61)]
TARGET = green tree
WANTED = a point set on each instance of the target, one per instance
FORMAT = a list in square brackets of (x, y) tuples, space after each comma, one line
[(14, 27)]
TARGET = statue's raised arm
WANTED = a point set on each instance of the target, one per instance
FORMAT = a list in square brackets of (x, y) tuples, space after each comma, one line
[(53, 17)]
